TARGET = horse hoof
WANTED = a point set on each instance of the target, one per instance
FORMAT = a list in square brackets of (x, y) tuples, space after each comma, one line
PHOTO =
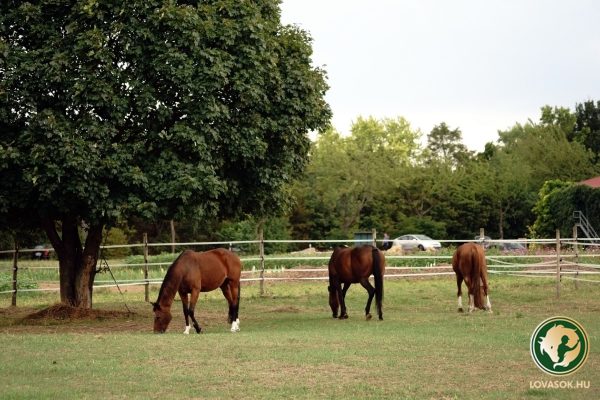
[(335, 316), (368, 316), (460, 310), (345, 316), (381, 317)]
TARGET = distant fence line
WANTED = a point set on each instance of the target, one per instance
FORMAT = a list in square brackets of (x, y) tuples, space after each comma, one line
[(556, 268)]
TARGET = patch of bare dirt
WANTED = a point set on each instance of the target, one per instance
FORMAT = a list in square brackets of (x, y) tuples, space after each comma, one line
[(62, 312)]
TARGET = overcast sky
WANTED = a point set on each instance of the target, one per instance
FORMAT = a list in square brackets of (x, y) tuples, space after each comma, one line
[(477, 65)]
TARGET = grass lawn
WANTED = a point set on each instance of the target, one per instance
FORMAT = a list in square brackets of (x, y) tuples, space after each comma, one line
[(289, 346)]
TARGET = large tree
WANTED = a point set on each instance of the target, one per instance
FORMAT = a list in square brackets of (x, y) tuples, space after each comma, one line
[(446, 144), (153, 109)]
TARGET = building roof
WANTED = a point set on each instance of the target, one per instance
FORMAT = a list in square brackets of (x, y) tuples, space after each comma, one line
[(594, 182)]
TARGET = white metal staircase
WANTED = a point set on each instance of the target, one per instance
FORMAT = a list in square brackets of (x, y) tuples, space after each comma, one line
[(582, 222)]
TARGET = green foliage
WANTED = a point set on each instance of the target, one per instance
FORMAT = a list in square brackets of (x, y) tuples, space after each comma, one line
[(563, 202), (154, 109), (446, 144), (587, 127), (348, 172), (423, 226), (116, 236), (545, 224)]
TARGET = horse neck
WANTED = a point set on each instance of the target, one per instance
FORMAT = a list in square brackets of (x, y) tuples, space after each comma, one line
[(169, 287)]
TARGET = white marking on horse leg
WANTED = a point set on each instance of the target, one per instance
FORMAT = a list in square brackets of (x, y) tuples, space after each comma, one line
[(488, 305), (187, 330), (460, 302), (235, 326), (471, 303)]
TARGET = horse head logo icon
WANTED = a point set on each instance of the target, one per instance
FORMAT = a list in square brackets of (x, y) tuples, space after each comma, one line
[(559, 346)]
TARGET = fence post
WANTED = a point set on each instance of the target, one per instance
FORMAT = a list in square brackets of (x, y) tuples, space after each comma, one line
[(576, 258), (15, 269), (147, 285), (557, 263), (374, 237), (481, 238), (261, 252)]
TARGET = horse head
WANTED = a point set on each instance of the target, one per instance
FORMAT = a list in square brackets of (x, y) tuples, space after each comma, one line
[(334, 302), (162, 318)]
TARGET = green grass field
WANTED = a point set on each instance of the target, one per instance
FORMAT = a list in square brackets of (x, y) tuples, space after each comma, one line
[(290, 347)]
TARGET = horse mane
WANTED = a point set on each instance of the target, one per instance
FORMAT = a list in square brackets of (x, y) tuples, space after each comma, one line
[(167, 279)]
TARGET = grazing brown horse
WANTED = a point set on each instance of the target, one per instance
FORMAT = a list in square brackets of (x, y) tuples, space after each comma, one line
[(192, 273), (469, 264), (349, 265)]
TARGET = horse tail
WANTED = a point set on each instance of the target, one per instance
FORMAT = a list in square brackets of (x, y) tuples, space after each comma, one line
[(476, 276), (378, 278)]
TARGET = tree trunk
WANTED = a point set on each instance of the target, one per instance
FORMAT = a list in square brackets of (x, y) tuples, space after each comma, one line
[(77, 265), (501, 218), (172, 236)]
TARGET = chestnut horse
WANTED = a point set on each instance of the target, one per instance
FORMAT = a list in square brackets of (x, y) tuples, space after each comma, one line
[(469, 264), (350, 265), (192, 273)]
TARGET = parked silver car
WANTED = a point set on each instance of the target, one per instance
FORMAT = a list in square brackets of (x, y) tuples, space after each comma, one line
[(414, 242)]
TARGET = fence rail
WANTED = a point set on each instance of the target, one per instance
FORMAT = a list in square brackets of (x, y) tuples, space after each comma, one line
[(558, 266)]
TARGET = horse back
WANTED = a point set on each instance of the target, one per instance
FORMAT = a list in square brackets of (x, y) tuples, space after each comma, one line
[(208, 270), (352, 264), (467, 258)]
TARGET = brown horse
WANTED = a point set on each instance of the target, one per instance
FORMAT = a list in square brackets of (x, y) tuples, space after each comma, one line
[(349, 265), (469, 264), (192, 273)]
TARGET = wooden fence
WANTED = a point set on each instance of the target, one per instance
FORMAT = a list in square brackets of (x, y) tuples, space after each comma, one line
[(557, 265)]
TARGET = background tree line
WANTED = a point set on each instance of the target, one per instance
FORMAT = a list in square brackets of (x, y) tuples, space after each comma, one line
[(382, 177)]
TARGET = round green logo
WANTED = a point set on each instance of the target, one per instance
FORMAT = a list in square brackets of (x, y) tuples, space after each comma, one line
[(559, 346)]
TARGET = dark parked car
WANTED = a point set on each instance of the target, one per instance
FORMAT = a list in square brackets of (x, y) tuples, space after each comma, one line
[(42, 252)]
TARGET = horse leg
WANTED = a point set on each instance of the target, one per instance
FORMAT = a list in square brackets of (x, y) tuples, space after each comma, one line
[(227, 293), (193, 299), (486, 291), (337, 286), (230, 291), (459, 280), (371, 290), (185, 303), (345, 289)]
